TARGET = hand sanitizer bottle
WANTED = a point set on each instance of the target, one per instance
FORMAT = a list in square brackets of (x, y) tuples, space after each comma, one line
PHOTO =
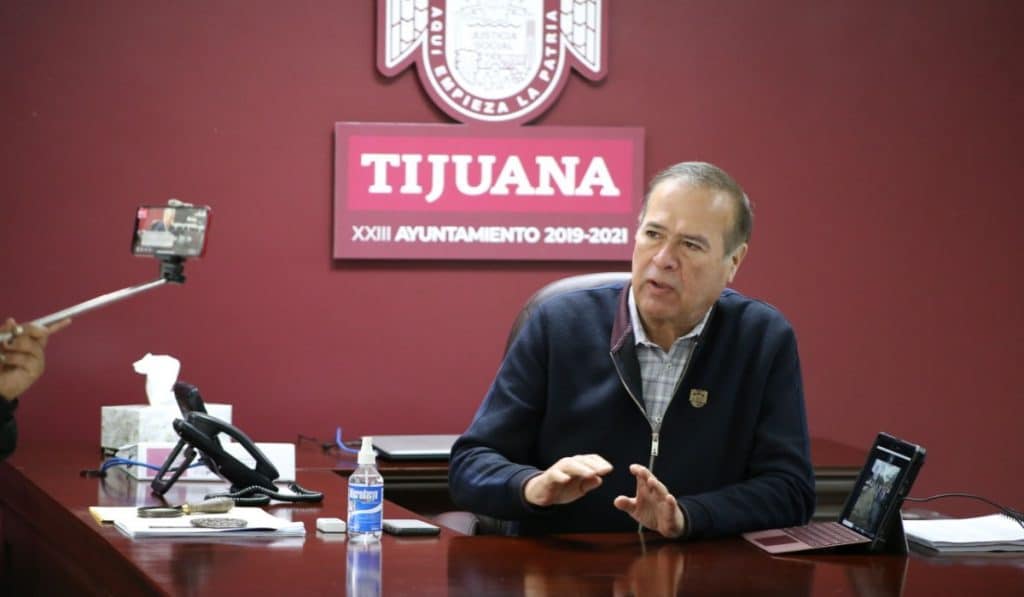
[(366, 496)]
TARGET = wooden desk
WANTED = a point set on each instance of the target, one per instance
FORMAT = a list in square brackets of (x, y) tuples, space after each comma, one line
[(422, 486), (56, 548)]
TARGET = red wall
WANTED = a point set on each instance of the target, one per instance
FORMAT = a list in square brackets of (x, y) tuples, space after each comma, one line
[(880, 143)]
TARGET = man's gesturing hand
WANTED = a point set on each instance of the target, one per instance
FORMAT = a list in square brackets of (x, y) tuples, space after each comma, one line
[(653, 507), (567, 480)]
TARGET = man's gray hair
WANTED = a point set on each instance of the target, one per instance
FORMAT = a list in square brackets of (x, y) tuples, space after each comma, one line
[(711, 177)]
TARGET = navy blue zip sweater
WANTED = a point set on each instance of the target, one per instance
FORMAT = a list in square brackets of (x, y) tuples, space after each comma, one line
[(570, 384)]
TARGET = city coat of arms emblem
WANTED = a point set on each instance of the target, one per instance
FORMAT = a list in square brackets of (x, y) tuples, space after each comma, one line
[(493, 61)]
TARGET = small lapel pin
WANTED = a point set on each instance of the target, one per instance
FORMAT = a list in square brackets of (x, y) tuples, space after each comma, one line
[(698, 398)]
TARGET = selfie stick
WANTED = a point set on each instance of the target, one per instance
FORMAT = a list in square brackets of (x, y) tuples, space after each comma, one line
[(172, 269)]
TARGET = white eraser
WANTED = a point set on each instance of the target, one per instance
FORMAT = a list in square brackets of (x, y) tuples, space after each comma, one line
[(330, 525)]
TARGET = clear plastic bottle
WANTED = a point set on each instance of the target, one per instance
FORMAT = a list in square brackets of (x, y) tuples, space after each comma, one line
[(366, 496)]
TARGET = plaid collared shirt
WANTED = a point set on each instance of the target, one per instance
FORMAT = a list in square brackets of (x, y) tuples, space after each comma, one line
[(660, 370)]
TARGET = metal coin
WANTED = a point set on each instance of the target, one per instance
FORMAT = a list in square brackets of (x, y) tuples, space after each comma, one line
[(212, 522)]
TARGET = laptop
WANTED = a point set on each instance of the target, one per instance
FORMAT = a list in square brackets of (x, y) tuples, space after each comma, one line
[(414, 447), (872, 507)]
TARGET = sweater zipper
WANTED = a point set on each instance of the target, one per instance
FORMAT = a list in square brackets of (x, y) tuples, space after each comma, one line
[(656, 428)]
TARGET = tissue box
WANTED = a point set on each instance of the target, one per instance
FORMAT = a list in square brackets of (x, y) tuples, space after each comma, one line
[(281, 455), (128, 424)]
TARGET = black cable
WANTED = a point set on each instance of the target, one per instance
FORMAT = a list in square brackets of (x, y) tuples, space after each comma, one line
[(325, 447), (1014, 514), (117, 461), (329, 447), (256, 495)]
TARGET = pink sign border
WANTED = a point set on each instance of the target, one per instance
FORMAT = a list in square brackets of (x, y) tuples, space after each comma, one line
[(345, 221)]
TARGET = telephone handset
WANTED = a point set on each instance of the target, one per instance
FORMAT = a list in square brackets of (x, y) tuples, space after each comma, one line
[(199, 435), (188, 398), (200, 431)]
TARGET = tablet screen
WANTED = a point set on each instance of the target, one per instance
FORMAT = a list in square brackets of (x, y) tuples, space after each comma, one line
[(884, 480)]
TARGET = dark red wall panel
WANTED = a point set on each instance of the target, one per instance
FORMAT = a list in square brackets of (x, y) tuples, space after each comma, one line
[(880, 143)]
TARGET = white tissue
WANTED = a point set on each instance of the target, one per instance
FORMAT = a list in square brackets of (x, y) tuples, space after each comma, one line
[(161, 372)]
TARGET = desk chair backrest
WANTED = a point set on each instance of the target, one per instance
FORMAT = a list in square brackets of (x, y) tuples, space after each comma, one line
[(560, 286)]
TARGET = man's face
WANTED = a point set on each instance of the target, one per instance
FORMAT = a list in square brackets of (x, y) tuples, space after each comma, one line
[(679, 262)]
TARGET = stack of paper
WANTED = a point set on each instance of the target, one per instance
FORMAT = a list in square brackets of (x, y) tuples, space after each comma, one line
[(259, 523), (995, 532)]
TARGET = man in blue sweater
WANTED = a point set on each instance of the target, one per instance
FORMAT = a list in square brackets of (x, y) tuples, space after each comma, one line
[(671, 401)]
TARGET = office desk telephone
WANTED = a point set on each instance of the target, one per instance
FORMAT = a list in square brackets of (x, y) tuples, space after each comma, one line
[(199, 433)]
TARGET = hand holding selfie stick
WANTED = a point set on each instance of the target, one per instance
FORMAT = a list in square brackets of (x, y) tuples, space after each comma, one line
[(171, 270)]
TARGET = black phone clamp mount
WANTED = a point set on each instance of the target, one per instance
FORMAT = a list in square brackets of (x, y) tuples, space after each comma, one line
[(172, 269)]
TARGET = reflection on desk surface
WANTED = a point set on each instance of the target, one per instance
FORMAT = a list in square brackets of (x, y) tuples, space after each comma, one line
[(614, 564), (649, 565)]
